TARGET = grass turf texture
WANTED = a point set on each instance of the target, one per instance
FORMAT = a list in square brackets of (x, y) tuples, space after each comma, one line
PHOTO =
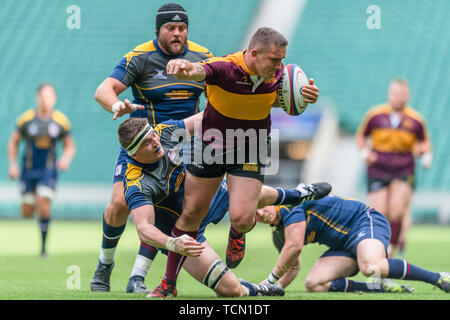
[(26, 276)]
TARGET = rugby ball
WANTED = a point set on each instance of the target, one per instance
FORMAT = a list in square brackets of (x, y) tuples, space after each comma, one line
[(288, 92)]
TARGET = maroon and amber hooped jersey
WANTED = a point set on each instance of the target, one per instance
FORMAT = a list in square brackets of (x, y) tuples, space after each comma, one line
[(393, 140), (237, 98)]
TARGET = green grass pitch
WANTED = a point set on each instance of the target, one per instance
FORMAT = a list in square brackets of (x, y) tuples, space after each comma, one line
[(74, 246)]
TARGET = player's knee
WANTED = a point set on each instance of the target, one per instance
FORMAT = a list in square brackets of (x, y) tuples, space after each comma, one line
[(243, 223), (311, 284), (369, 269)]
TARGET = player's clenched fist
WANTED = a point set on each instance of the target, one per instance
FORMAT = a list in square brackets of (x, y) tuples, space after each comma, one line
[(185, 245), (184, 70)]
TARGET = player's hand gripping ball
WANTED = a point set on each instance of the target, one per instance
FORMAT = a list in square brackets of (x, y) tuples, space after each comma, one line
[(289, 92)]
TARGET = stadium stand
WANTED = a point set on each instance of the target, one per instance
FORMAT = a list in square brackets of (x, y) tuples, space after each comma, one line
[(331, 42), (41, 48)]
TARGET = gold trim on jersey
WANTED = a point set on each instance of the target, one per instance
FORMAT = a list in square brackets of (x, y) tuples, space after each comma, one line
[(134, 176), (61, 119), (25, 117), (327, 221)]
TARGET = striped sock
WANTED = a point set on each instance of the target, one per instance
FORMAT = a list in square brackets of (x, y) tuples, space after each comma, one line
[(111, 236), (346, 285), (287, 196), (401, 269)]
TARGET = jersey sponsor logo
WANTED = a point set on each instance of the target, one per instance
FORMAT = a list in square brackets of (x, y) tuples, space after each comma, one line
[(360, 235), (250, 167), (179, 94), (244, 81), (160, 74), (118, 170), (33, 129)]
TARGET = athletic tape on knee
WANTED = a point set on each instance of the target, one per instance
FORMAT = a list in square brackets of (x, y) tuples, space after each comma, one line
[(215, 273), (28, 198), (45, 192)]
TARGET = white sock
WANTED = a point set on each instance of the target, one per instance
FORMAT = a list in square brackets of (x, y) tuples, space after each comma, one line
[(141, 266), (107, 255)]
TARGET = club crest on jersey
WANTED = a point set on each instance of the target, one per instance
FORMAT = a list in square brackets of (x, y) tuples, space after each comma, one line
[(160, 74)]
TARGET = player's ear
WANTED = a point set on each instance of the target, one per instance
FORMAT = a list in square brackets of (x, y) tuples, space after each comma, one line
[(157, 32)]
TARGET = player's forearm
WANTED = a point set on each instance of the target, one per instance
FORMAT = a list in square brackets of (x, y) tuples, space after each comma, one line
[(13, 147), (288, 265), (148, 233), (69, 149), (108, 92), (289, 276)]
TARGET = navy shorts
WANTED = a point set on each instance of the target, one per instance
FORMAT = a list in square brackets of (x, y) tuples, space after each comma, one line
[(29, 180), (371, 225)]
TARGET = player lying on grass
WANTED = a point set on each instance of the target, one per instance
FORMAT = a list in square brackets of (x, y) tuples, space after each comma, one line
[(357, 237), (154, 192)]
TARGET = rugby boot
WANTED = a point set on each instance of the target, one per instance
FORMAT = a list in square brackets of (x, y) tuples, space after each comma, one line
[(164, 290), (136, 284), (102, 274), (312, 191), (390, 286), (263, 289), (444, 281), (235, 250)]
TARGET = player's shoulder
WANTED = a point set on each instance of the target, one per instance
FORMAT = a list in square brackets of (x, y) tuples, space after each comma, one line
[(25, 117), (196, 48), (378, 109), (61, 119), (172, 124), (141, 50), (416, 115)]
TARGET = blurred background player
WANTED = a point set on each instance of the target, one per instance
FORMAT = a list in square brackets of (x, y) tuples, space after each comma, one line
[(357, 237), (241, 91), (164, 98), (41, 128), (397, 134)]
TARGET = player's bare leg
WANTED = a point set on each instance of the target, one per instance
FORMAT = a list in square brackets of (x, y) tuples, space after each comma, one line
[(198, 195), (400, 193), (372, 261), (327, 269), (244, 197), (212, 272)]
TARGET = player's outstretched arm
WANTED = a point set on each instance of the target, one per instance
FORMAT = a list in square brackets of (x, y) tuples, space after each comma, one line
[(107, 95), (144, 219), (185, 70), (288, 261)]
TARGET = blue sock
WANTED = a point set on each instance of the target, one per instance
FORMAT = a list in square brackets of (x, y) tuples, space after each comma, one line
[(111, 235), (43, 226), (287, 196), (251, 288), (148, 251), (346, 285), (401, 269)]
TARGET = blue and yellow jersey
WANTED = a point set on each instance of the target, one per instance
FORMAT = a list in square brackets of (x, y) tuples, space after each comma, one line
[(328, 220), (161, 183), (41, 136), (144, 70)]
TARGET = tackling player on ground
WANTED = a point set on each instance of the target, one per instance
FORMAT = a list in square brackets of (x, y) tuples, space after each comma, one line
[(358, 238)]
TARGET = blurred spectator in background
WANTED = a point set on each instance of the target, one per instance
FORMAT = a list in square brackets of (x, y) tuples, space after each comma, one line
[(41, 128), (396, 134)]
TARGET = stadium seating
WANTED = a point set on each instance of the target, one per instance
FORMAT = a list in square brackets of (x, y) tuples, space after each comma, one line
[(353, 65)]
